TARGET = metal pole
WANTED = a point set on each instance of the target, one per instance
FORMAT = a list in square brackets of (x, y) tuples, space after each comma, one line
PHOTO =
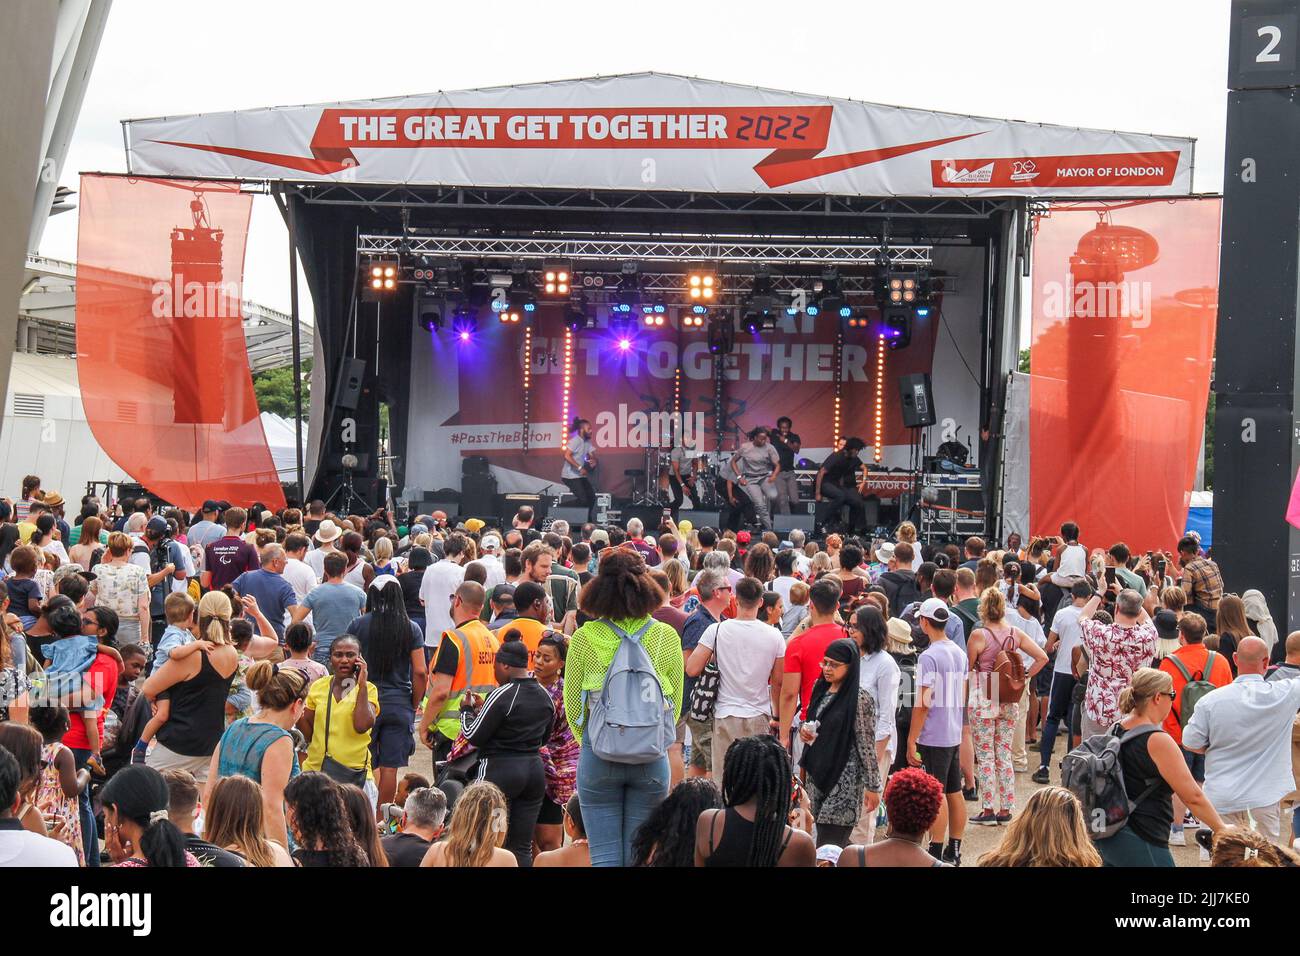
[(297, 347)]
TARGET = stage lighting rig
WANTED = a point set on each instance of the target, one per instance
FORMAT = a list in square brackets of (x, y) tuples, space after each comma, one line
[(464, 322), (382, 276), (829, 300), (897, 321), (628, 293), (760, 307), (557, 280), (702, 286), (654, 314), (576, 317), (695, 317)]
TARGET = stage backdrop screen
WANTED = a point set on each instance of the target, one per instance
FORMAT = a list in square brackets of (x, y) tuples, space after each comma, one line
[(160, 341), (467, 398), (1125, 298)]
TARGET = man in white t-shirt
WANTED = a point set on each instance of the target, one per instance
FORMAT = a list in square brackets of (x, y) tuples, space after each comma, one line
[(1064, 637), (751, 661), (19, 846), (490, 558), (326, 534), (785, 578), (440, 581), (296, 570)]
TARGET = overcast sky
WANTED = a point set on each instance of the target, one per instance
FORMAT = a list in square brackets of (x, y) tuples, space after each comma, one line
[(1154, 66)]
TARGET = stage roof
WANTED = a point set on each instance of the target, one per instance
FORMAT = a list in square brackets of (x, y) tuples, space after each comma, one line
[(654, 131)]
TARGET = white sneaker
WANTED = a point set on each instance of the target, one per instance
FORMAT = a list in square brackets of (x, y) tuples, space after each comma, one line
[(1176, 837)]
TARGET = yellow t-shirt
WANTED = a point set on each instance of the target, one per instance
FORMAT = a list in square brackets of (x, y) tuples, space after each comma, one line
[(25, 531), (346, 745)]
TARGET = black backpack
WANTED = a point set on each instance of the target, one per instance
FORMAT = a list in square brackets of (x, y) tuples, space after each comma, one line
[(901, 589)]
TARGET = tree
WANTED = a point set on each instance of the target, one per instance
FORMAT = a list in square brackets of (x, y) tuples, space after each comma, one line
[(1024, 361), (274, 390)]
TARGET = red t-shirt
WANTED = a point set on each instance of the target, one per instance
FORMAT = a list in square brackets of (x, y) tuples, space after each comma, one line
[(1192, 657), (102, 676), (804, 655)]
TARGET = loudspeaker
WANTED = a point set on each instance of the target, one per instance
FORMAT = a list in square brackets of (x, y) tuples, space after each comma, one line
[(477, 497), (918, 400), (474, 466), (576, 517), (783, 523), (354, 374), (699, 518)]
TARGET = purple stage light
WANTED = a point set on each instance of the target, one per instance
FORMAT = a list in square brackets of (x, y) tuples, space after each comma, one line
[(624, 344)]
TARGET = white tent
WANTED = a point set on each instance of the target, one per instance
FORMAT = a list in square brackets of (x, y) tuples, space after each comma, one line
[(45, 432), (279, 438)]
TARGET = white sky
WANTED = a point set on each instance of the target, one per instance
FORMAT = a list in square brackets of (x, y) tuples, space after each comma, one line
[(1153, 66)]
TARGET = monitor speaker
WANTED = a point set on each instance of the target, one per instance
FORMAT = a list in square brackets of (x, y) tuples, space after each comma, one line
[(354, 375), (576, 517), (783, 523), (918, 400), (699, 518)]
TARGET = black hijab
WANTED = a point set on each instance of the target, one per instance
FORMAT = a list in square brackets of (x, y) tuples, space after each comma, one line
[(826, 757)]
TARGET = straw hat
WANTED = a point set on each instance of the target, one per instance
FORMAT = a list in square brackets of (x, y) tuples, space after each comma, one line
[(327, 532)]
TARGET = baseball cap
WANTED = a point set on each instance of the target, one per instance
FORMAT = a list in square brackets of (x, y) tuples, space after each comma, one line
[(156, 525), (210, 505), (600, 536), (502, 590), (743, 537), (1166, 622), (490, 542), (936, 609), (829, 853), (474, 524), (381, 579), (418, 529)]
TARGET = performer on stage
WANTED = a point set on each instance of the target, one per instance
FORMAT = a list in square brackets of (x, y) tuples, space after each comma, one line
[(735, 509), (579, 462), (834, 487), (683, 454), (756, 466), (787, 445)]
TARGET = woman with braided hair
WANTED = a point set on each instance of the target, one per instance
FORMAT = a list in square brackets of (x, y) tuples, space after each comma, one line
[(753, 827), (320, 824), (668, 837)]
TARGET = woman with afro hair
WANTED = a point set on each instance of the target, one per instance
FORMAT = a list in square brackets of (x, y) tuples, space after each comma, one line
[(912, 801)]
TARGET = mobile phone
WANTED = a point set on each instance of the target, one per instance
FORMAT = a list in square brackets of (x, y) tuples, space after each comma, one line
[(1110, 576)]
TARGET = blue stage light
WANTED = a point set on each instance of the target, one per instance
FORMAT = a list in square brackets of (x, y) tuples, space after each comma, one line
[(922, 311), (845, 311), (813, 310)]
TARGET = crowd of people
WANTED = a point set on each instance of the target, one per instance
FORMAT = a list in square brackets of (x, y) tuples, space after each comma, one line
[(242, 687)]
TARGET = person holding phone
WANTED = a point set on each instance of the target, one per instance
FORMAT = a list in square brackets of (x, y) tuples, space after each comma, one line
[(339, 717)]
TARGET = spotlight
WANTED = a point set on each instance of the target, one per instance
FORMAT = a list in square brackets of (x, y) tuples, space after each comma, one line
[(628, 295), (813, 310), (624, 344), (898, 327), (382, 276), (900, 289), (431, 320), (464, 323), (576, 318), (722, 335), (829, 298), (556, 279), (701, 285)]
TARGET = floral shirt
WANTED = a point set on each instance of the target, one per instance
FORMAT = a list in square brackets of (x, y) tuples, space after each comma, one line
[(560, 755), (1116, 651), (13, 684), (120, 586)]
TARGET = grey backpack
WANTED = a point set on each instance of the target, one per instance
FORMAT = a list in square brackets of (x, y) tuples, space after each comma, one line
[(630, 720), (1094, 774)]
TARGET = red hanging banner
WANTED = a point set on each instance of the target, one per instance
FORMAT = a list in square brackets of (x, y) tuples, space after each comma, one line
[(160, 343), (1124, 304)]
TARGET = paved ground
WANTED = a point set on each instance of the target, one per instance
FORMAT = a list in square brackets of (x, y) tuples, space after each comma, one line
[(978, 839)]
